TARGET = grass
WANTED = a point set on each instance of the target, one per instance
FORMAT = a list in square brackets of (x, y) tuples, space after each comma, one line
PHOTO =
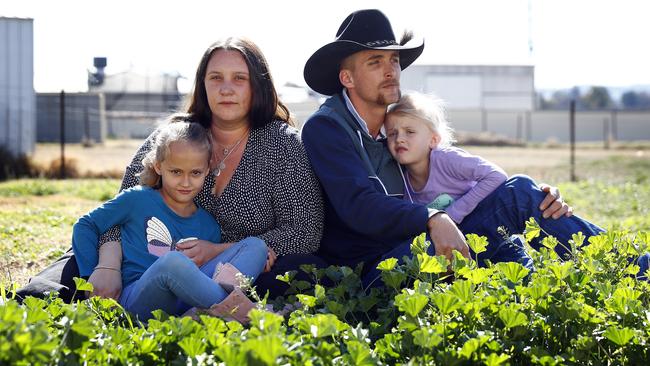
[(36, 216), (613, 192), (90, 189)]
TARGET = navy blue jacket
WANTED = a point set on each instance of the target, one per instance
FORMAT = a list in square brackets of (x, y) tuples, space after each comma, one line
[(365, 215)]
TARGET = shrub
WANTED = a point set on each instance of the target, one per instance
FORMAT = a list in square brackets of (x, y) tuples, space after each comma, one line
[(53, 170)]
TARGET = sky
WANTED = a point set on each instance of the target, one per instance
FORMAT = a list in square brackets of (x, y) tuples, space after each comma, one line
[(574, 42)]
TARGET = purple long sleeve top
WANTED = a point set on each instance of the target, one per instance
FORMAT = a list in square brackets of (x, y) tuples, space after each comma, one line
[(467, 178)]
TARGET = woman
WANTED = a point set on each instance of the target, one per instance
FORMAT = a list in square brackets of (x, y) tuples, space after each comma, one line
[(263, 182)]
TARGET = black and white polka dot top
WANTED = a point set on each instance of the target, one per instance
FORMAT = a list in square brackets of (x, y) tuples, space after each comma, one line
[(273, 194)]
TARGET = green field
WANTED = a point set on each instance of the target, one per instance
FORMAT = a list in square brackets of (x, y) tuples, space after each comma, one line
[(587, 311)]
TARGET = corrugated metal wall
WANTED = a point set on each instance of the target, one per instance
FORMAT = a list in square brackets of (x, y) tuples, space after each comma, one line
[(17, 97), (84, 117)]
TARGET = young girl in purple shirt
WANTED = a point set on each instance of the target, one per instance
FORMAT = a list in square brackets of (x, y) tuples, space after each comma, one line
[(468, 187)]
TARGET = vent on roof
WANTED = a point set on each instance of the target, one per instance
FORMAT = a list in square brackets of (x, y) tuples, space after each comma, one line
[(97, 78)]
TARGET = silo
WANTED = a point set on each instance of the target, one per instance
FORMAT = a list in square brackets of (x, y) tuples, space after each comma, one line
[(17, 96)]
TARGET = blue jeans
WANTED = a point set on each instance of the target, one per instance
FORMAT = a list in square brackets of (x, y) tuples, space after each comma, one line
[(173, 283), (508, 207), (511, 205)]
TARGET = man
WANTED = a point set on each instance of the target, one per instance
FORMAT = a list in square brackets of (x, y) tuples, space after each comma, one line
[(366, 218)]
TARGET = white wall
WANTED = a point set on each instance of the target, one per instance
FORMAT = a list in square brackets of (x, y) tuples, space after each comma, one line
[(504, 87)]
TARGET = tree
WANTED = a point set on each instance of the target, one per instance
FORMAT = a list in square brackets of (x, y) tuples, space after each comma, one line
[(635, 100), (597, 98)]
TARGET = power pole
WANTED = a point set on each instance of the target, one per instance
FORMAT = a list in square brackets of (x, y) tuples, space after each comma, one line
[(530, 28)]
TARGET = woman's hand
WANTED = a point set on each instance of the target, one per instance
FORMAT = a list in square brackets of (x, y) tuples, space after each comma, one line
[(553, 205), (107, 279), (270, 260), (201, 251), (106, 283)]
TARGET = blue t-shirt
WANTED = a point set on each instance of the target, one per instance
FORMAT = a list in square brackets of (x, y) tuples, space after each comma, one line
[(149, 229)]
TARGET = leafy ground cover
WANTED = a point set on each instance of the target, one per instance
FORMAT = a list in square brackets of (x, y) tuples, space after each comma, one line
[(588, 311)]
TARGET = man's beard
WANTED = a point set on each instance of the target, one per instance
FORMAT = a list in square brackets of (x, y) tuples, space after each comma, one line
[(382, 99)]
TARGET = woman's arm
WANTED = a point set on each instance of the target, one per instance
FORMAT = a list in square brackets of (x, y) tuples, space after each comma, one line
[(107, 279), (297, 205)]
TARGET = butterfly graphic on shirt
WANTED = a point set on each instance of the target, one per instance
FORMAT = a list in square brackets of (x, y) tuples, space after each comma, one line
[(159, 239)]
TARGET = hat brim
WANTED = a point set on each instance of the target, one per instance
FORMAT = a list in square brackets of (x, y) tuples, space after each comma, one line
[(322, 68)]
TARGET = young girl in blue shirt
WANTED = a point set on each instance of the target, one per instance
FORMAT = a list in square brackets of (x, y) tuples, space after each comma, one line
[(161, 213)]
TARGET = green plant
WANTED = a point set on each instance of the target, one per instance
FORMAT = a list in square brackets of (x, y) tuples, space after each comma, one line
[(590, 310)]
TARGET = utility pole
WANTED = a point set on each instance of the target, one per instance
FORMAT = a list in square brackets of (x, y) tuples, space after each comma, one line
[(62, 131), (530, 28), (572, 138)]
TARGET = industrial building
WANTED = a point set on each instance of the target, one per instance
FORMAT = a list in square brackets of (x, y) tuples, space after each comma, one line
[(121, 105), (17, 96)]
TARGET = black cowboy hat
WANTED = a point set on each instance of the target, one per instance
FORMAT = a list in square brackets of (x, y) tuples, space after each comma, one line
[(361, 30)]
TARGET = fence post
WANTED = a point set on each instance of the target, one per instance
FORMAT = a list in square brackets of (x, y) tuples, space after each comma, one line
[(86, 141), (529, 126), (614, 125), (484, 126), (607, 135), (572, 138), (62, 131)]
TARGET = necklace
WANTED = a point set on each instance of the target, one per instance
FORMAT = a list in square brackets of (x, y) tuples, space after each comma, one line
[(227, 151)]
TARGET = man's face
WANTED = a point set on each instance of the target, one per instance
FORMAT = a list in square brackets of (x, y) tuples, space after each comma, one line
[(372, 76)]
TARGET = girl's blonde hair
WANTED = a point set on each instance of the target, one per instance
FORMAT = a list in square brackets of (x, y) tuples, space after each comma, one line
[(178, 128), (428, 108)]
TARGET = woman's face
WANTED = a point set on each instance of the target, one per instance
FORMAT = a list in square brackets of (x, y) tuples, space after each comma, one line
[(228, 87)]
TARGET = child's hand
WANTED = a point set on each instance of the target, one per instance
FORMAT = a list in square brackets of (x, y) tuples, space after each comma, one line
[(200, 251)]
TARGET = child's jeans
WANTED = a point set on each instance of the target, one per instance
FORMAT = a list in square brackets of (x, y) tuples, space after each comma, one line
[(506, 209), (174, 283), (509, 207)]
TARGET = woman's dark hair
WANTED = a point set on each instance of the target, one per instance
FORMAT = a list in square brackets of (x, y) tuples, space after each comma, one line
[(265, 104)]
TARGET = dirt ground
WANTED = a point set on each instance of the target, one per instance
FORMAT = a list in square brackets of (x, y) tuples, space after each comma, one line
[(110, 156), (538, 162)]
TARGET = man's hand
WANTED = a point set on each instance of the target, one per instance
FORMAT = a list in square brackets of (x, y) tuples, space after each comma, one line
[(445, 236), (553, 205), (270, 260), (201, 251)]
